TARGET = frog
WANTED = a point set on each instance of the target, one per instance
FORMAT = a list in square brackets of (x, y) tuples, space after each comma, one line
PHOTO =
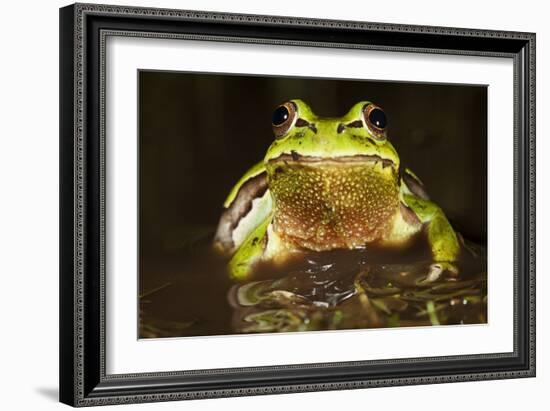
[(329, 183)]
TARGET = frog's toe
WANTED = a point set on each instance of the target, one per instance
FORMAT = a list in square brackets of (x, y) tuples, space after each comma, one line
[(448, 266), (437, 269)]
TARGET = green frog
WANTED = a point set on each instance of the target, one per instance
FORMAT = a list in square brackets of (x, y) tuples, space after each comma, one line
[(326, 184)]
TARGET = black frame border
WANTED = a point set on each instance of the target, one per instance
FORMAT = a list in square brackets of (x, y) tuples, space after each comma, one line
[(83, 30)]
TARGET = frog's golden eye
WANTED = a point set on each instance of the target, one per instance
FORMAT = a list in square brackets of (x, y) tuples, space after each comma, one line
[(284, 118), (375, 120)]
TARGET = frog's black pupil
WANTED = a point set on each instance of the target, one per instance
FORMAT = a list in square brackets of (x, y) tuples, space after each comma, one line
[(280, 115), (377, 118)]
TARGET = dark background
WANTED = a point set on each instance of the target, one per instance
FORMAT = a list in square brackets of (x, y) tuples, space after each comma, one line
[(199, 133)]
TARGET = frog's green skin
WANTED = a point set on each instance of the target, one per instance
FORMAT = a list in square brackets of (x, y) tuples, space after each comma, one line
[(328, 183)]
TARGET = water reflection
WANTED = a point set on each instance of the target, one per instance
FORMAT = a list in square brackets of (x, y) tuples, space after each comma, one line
[(319, 291), (326, 297)]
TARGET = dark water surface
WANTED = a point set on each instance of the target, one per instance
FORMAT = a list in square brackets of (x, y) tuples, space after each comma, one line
[(188, 293)]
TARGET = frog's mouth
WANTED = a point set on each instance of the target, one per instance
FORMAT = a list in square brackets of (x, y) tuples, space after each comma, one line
[(294, 157)]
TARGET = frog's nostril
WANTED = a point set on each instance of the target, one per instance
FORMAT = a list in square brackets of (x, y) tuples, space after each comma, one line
[(340, 128)]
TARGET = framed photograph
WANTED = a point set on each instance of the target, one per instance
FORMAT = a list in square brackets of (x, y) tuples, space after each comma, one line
[(259, 204)]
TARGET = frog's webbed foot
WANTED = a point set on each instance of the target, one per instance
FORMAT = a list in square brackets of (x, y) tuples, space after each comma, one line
[(437, 269), (443, 266)]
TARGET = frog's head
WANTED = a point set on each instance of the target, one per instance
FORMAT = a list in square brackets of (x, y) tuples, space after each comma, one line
[(360, 136)]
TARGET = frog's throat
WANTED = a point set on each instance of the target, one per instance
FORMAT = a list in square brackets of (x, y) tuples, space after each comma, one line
[(294, 157), (324, 204)]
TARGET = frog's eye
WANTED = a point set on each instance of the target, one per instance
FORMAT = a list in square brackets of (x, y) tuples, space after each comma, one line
[(375, 121), (284, 118)]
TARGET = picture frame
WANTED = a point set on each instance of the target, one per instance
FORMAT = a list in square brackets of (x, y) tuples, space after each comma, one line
[(84, 83)]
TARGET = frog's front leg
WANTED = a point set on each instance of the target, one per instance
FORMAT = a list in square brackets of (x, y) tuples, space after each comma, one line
[(441, 236), (250, 251)]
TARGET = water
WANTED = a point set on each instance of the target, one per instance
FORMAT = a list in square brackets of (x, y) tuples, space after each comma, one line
[(188, 293)]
